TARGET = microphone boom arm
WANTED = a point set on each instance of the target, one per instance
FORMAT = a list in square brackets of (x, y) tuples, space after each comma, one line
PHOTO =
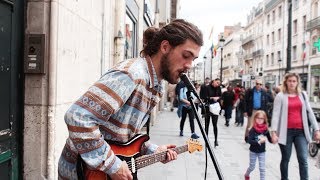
[(191, 88)]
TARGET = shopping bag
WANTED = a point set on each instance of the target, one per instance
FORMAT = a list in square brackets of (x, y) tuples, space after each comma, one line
[(215, 108)]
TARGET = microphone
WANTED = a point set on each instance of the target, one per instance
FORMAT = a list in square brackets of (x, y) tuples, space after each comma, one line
[(189, 85)]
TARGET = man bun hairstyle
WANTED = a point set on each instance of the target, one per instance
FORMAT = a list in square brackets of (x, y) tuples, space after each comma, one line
[(176, 33)]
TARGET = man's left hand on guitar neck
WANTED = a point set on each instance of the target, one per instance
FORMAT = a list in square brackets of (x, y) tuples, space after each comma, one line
[(171, 155)]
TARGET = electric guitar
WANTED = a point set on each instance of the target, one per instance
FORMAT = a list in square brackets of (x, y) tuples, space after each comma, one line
[(130, 152)]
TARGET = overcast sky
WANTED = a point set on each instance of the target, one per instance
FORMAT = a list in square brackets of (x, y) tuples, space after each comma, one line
[(216, 13)]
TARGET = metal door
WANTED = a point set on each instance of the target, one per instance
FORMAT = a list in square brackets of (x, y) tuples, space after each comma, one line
[(11, 104)]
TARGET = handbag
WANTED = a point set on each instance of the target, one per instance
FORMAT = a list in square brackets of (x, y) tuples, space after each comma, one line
[(215, 108), (309, 123)]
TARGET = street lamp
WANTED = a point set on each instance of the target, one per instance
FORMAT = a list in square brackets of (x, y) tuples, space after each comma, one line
[(204, 68), (279, 61), (221, 45)]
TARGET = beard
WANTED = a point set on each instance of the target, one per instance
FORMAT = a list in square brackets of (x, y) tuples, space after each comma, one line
[(165, 69)]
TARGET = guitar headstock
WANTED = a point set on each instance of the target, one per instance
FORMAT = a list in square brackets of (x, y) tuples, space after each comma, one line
[(193, 145)]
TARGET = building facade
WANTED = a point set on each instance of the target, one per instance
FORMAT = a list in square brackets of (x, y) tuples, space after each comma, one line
[(312, 51)]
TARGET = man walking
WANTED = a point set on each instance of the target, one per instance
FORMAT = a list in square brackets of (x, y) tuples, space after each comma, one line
[(256, 99)]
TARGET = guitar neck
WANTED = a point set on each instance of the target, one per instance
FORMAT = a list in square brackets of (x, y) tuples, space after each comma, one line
[(147, 160)]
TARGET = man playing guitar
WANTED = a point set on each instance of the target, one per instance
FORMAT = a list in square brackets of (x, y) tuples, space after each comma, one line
[(117, 106)]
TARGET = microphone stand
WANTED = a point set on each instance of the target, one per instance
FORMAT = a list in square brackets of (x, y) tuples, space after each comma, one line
[(208, 145)]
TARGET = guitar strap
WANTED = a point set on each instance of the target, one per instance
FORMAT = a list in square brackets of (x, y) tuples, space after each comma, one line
[(80, 169)]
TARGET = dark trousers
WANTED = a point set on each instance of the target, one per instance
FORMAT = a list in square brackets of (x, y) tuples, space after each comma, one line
[(228, 113), (239, 116), (214, 122), (296, 137), (186, 111)]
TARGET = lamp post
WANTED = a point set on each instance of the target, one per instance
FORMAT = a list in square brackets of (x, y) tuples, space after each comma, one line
[(204, 68), (289, 36), (279, 61), (221, 45)]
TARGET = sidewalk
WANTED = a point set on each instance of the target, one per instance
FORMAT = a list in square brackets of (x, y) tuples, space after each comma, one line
[(232, 154)]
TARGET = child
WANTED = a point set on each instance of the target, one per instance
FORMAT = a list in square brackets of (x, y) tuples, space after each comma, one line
[(258, 135)]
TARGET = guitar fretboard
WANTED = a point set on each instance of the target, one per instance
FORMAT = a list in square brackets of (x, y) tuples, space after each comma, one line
[(147, 160)]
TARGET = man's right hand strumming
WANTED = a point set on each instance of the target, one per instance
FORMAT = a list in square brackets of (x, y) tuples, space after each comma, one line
[(123, 173)]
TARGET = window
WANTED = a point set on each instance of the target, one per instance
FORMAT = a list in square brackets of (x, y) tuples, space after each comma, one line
[(273, 16), (304, 21), (279, 56), (295, 4), (130, 47), (267, 59), (268, 40), (272, 37), (272, 59), (315, 9), (280, 11), (268, 19), (294, 53), (295, 26), (314, 50), (279, 34), (303, 46)]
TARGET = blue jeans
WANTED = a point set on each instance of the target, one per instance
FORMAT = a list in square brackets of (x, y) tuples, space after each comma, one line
[(262, 164), (296, 137)]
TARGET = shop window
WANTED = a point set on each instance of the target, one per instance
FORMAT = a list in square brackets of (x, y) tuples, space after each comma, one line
[(315, 86)]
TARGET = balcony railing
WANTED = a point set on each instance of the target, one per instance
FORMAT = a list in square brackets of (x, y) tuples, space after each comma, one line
[(247, 40), (258, 52), (258, 12), (314, 23), (248, 56)]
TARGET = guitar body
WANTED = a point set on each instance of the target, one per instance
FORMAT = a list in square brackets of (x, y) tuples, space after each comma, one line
[(130, 153), (124, 151), (129, 149)]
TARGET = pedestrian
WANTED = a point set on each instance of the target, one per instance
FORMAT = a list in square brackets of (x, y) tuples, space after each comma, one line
[(197, 87), (256, 99), (213, 96), (171, 95), (240, 105), (237, 91), (203, 93), (258, 135), (203, 88), (186, 109), (291, 117), (269, 104), (179, 86), (117, 106), (227, 100)]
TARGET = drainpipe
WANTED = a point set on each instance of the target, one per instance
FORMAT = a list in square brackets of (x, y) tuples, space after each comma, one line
[(119, 31), (52, 83)]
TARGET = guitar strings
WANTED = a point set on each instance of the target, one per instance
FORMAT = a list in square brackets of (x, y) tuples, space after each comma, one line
[(150, 159)]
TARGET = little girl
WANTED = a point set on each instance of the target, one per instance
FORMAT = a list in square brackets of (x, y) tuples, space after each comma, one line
[(258, 135)]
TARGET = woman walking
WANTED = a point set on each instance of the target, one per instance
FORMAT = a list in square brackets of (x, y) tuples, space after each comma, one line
[(291, 117)]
